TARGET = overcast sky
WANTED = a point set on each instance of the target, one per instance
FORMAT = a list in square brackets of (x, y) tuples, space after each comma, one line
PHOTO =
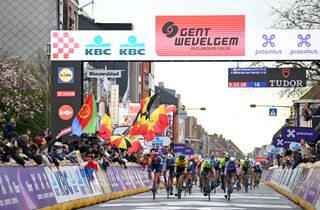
[(204, 84)]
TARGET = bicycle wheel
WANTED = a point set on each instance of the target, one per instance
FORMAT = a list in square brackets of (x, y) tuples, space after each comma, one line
[(246, 183), (169, 187), (208, 188), (154, 186), (215, 185), (229, 195), (180, 186), (189, 187)]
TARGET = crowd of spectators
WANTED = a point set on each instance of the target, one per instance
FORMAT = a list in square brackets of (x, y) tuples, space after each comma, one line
[(291, 158), (43, 149)]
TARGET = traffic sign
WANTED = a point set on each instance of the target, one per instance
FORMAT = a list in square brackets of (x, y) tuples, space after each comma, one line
[(273, 112)]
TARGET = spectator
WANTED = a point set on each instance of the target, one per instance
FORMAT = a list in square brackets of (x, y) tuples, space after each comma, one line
[(317, 150), (304, 150), (9, 128), (306, 112), (57, 151)]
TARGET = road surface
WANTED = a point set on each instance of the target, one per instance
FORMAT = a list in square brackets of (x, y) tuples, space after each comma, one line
[(262, 198)]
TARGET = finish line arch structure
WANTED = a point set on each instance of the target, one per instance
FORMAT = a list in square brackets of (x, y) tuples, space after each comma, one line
[(172, 38)]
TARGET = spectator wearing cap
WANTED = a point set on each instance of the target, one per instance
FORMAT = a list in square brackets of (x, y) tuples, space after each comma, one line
[(56, 151)]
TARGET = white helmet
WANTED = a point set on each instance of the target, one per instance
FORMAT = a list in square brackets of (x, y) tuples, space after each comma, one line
[(232, 158)]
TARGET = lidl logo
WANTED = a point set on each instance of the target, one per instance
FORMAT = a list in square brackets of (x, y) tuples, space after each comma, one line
[(66, 75)]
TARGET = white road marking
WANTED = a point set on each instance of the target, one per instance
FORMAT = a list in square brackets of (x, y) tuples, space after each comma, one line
[(199, 205)]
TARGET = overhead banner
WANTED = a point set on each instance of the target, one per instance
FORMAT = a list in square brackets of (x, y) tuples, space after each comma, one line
[(295, 134), (266, 77), (221, 37), (200, 35)]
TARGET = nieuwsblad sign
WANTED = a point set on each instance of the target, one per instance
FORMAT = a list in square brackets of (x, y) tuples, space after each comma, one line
[(221, 37)]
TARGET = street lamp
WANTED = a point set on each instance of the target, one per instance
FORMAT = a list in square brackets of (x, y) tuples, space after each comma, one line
[(275, 106), (184, 108)]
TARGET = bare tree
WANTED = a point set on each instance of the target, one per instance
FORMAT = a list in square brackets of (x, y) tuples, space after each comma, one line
[(301, 14)]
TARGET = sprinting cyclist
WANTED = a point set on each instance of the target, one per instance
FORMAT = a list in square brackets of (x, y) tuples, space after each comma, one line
[(155, 163), (222, 165), (206, 170), (180, 169), (257, 171), (169, 163), (245, 170), (230, 172), (191, 170)]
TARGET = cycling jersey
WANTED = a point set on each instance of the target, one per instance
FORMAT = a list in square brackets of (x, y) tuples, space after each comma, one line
[(155, 163), (257, 169), (222, 163), (192, 165), (207, 164), (169, 162), (245, 165), (231, 167), (182, 163), (155, 160)]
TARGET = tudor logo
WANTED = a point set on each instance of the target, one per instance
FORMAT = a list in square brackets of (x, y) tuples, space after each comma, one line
[(65, 112), (286, 72)]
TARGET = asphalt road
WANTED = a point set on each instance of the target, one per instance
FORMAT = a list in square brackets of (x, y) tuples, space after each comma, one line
[(262, 198)]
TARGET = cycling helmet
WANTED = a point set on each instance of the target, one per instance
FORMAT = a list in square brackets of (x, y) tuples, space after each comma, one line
[(257, 164), (182, 156), (191, 157), (232, 159), (170, 156)]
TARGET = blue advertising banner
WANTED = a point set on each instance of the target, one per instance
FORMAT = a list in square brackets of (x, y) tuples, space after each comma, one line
[(188, 151), (280, 142), (179, 148), (295, 134)]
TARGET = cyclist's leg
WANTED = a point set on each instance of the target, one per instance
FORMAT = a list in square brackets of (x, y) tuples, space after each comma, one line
[(171, 176), (164, 174), (150, 176), (227, 185), (158, 171)]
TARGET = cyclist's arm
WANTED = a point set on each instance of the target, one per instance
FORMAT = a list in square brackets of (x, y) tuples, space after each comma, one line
[(175, 167), (238, 169), (222, 163), (186, 164), (165, 163), (226, 168)]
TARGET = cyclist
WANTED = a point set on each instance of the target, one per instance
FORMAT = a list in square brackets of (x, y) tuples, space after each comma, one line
[(245, 169), (257, 171), (169, 163), (155, 163), (180, 169), (206, 170), (191, 170), (231, 170), (222, 165), (198, 171)]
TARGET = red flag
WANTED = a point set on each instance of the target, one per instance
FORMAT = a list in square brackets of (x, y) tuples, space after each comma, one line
[(105, 127)]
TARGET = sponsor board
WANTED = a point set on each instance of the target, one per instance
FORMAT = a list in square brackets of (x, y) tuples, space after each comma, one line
[(66, 93), (65, 75), (188, 38), (65, 112)]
